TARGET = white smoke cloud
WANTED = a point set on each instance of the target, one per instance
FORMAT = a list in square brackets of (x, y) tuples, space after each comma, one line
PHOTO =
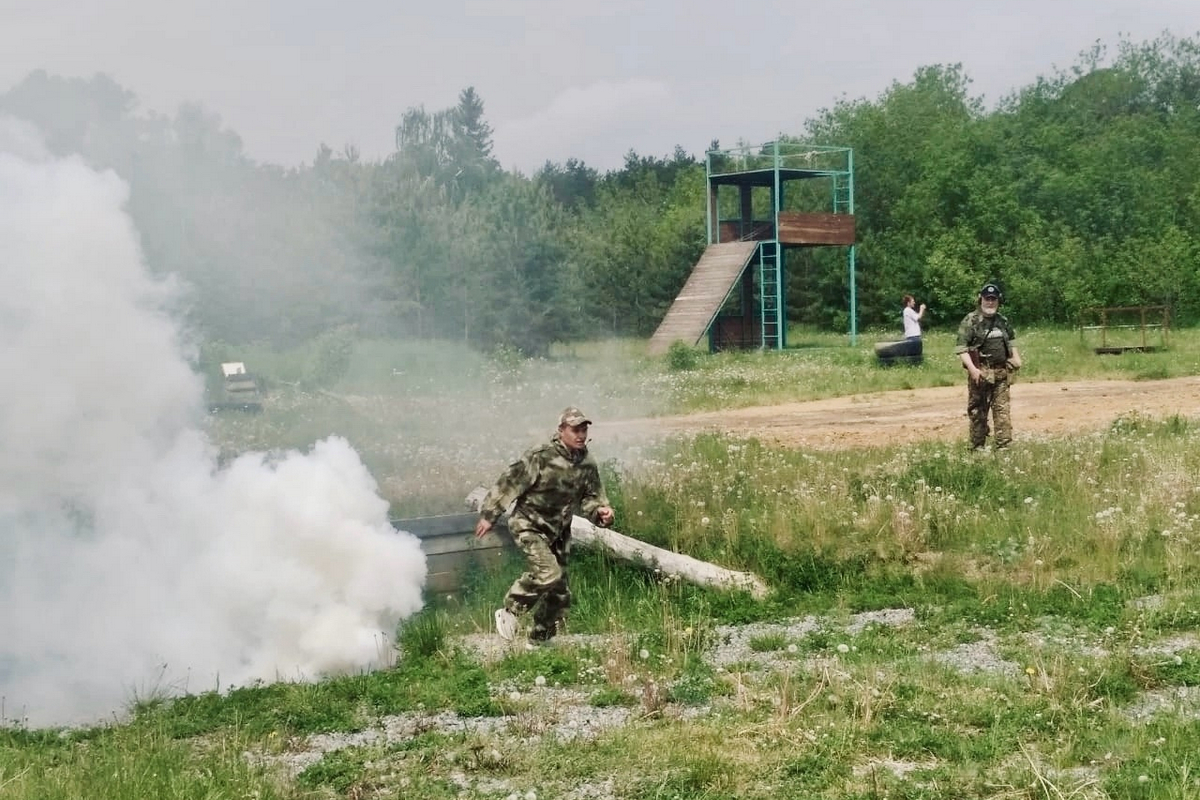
[(130, 562)]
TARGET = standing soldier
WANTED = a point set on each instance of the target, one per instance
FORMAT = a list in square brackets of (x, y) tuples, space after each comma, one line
[(549, 485), (985, 347)]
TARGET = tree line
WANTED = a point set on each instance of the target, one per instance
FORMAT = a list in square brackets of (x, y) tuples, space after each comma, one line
[(1079, 190)]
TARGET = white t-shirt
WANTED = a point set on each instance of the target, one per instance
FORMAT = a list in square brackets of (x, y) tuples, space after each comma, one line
[(912, 325)]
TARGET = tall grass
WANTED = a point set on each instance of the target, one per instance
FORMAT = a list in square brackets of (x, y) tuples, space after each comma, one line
[(1068, 563), (433, 420)]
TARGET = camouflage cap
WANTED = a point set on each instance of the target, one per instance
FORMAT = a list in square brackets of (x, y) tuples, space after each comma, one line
[(572, 416)]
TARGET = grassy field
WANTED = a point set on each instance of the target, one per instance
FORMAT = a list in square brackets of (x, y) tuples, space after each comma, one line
[(941, 624), (434, 420)]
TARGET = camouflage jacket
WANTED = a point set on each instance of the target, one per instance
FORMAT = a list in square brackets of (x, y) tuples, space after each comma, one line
[(549, 483), (988, 335)]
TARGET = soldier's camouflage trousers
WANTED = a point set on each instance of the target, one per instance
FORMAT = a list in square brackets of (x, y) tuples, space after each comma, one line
[(989, 394), (543, 587)]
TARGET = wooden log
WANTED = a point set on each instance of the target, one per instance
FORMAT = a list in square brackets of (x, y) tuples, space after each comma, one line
[(627, 548)]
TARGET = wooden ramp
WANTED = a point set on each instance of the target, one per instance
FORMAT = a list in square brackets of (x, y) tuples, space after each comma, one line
[(701, 297)]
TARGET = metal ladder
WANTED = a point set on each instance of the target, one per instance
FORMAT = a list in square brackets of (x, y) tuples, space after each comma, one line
[(769, 285), (842, 194)]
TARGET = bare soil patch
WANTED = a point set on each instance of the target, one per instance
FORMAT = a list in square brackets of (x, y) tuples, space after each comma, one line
[(910, 416)]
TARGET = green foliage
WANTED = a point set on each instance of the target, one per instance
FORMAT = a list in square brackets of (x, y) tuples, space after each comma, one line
[(264, 708), (1077, 191), (703, 776), (814, 769), (556, 666), (330, 358), (423, 635), (695, 685), (133, 761), (768, 642), (681, 357), (611, 696), (1076, 644), (452, 681), (338, 771), (968, 478), (1175, 669)]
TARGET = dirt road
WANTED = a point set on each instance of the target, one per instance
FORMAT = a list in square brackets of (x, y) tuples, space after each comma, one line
[(1050, 409)]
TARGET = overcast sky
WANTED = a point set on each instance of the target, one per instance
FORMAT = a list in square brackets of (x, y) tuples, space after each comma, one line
[(559, 78)]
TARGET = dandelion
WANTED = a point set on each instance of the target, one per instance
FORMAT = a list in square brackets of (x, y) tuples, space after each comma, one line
[(643, 654), (540, 680), (843, 648), (791, 648)]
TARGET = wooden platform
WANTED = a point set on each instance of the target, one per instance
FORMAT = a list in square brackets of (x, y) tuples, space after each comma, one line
[(451, 549), (702, 296), (1110, 350)]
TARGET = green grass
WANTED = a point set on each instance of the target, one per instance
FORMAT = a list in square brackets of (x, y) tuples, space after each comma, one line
[(1072, 560), (432, 420)]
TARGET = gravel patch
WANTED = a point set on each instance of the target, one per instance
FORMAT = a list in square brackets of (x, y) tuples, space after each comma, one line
[(734, 642), (1170, 646), (1182, 700), (567, 715), (562, 713), (978, 656)]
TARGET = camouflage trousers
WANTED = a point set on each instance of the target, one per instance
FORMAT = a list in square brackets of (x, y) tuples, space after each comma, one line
[(543, 587), (989, 394)]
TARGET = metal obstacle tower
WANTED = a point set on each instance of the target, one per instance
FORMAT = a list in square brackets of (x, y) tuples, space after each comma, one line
[(785, 195)]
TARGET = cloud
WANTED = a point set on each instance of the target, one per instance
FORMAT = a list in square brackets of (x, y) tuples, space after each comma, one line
[(593, 123)]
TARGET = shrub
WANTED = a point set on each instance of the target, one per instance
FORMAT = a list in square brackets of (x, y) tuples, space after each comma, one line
[(681, 357)]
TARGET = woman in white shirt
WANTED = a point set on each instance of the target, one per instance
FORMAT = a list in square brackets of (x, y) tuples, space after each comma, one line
[(912, 317)]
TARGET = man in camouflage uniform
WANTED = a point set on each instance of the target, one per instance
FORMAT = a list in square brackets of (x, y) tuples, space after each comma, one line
[(985, 347), (549, 485)]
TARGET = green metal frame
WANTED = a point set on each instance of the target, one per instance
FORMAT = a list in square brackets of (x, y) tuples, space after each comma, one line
[(775, 164)]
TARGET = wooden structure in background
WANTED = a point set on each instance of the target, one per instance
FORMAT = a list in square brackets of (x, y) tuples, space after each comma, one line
[(1124, 329), (714, 275), (771, 223), (451, 549)]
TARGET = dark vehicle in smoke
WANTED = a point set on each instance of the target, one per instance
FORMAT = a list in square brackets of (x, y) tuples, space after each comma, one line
[(239, 390)]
